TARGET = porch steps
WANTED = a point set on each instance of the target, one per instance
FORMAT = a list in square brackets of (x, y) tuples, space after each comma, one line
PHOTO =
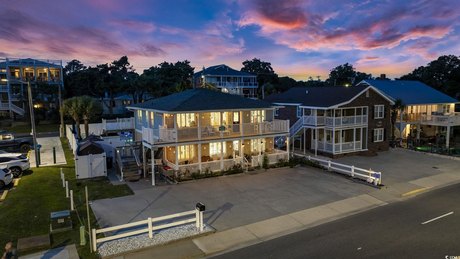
[(130, 170)]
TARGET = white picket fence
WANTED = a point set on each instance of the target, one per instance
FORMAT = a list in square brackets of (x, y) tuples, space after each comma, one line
[(353, 171), (149, 226)]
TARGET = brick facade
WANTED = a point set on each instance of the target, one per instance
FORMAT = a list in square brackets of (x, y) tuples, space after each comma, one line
[(289, 112)]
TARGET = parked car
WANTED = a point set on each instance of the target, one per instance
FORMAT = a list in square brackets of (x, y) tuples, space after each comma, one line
[(4, 153), (16, 165), (11, 143), (6, 177)]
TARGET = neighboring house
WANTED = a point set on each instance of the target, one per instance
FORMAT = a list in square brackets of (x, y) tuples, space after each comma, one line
[(14, 74), (336, 120), (200, 129), (429, 115), (228, 80), (119, 103)]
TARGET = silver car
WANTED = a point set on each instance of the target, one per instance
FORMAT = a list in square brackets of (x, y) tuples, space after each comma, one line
[(17, 165), (6, 177)]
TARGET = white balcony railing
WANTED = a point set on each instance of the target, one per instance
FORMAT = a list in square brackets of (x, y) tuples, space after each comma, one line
[(118, 124), (441, 120), (337, 121), (214, 132)]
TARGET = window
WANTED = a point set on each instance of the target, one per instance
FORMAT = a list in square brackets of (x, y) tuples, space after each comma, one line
[(186, 152), (277, 112), (378, 135), (186, 120), (257, 116), (236, 117), (215, 118), (257, 144), (299, 112), (379, 111), (214, 148)]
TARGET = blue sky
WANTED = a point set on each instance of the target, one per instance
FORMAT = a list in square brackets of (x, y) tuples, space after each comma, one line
[(299, 38)]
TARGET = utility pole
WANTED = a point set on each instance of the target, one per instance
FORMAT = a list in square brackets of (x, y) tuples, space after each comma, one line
[(32, 121)]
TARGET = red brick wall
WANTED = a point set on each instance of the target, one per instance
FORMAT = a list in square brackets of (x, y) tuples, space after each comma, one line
[(289, 112)]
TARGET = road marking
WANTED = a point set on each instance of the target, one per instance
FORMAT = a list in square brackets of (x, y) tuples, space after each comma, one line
[(442, 216), (414, 192)]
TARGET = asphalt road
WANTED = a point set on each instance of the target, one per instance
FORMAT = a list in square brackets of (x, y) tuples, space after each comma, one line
[(391, 231)]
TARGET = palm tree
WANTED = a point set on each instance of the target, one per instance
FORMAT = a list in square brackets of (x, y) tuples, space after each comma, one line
[(73, 108), (398, 106), (90, 109)]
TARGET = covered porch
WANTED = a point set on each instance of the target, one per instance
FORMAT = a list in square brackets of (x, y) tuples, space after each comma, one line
[(338, 141)]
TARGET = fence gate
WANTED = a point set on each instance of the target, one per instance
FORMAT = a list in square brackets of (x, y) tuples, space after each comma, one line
[(90, 166)]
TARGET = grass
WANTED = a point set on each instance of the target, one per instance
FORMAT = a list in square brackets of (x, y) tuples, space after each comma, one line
[(39, 127), (26, 211)]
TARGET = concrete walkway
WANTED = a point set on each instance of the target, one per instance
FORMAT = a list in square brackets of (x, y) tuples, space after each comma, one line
[(63, 252), (46, 152)]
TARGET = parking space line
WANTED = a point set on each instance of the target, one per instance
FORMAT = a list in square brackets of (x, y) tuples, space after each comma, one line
[(442, 216)]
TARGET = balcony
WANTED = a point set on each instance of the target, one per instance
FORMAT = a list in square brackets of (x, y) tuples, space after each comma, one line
[(434, 119), (168, 135), (234, 84), (118, 124), (335, 122), (339, 147)]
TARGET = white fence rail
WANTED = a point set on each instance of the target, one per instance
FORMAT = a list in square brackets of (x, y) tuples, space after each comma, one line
[(148, 226), (353, 171)]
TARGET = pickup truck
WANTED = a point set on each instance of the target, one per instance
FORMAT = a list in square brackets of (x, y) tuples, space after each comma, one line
[(9, 142)]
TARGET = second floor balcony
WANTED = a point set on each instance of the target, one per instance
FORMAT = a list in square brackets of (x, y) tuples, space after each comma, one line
[(207, 132), (436, 119), (334, 121)]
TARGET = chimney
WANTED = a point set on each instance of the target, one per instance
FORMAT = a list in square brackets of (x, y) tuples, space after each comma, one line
[(383, 76)]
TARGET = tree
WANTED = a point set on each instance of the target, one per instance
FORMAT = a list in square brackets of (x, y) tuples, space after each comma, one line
[(263, 70), (73, 66), (442, 74), (345, 75), (90, 108), (73, 108), (397, 107)]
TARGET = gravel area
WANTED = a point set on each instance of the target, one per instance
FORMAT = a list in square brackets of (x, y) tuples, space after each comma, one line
[(140, 241)]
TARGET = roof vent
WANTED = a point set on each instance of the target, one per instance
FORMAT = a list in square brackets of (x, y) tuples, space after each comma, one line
[(306, 91)]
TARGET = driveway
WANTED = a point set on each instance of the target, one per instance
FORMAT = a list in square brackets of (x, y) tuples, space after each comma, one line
[(400, 165), (232, 201)]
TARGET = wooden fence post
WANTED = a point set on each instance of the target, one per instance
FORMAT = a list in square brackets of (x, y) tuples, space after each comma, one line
[(150, 228)]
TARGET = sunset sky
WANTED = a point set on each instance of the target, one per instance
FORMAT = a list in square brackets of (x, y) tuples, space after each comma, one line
[(299, 38)]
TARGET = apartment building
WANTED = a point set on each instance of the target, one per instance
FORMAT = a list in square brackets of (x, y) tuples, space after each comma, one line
[(200, 130), (228, 80), (335, 121), (14, 75)]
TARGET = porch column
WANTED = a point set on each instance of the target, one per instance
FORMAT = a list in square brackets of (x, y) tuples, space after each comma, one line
[(198, 124), (304, 141), (354, 138), (176, 150), (287, 145), (418, 132), (144, 161), (199, 157), (241, 123), (333, 139), (222, 156), (175, 128), (153, 165), (316, 141), (340, 139), (447, 138)]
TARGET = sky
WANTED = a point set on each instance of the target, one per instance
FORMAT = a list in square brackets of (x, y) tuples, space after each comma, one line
[(301, 39)]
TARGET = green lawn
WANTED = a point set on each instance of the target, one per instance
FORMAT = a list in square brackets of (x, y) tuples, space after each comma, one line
[(26, 210), (39, 127)]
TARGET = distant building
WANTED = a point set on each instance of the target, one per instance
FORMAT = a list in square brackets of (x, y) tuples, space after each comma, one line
[(14, 75), (429, 115), (228, 80), (120, 102), (336, 120)]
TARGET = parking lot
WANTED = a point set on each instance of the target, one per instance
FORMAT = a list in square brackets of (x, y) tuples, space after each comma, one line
[(247, 198)]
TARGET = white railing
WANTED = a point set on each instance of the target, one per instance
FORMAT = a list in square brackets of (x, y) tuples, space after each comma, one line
[(355, 172), (273, 158), (313, 120), (444, 120), (339, 147), (118, 124), (296, 127), (148, 226), (346, 120), (17, 109)]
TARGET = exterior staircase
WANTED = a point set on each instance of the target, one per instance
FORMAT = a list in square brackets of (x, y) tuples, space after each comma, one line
[(298, 125), (131, 170)]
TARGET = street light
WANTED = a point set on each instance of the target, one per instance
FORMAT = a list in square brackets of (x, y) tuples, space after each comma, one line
[(32, 118)]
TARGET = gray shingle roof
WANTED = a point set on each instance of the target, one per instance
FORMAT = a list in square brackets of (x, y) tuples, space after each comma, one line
[(201, 99), (324, 97), (410, 92), (29, 62), (221, 70)]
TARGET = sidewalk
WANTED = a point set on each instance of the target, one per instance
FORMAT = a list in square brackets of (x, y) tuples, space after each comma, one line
[(63, 252), (250, 234), (46, 152)]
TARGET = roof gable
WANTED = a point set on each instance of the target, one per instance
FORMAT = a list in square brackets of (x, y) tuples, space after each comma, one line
[(201, 99), (410, 92)]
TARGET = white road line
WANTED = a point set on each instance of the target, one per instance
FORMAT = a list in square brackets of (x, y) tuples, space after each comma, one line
[(442, 216)]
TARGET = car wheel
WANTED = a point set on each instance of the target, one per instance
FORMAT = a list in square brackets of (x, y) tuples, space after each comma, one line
[(16, 171), (24, 148), (2, 184)]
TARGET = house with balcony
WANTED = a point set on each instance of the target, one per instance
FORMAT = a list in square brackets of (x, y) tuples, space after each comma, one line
[(201, 130), (227, 80), (335, 121), (14, 75), (428, 116)]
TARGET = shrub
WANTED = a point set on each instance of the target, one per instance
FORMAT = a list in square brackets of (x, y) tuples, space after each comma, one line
[(265, 162)]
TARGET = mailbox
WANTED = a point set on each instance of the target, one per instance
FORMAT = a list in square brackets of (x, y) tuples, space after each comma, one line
[(200, 206)]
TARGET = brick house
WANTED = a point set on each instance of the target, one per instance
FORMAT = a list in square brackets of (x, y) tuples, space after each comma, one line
[(335, 121)]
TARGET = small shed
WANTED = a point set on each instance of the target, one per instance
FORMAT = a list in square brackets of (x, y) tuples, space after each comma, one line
[(90, 159)]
